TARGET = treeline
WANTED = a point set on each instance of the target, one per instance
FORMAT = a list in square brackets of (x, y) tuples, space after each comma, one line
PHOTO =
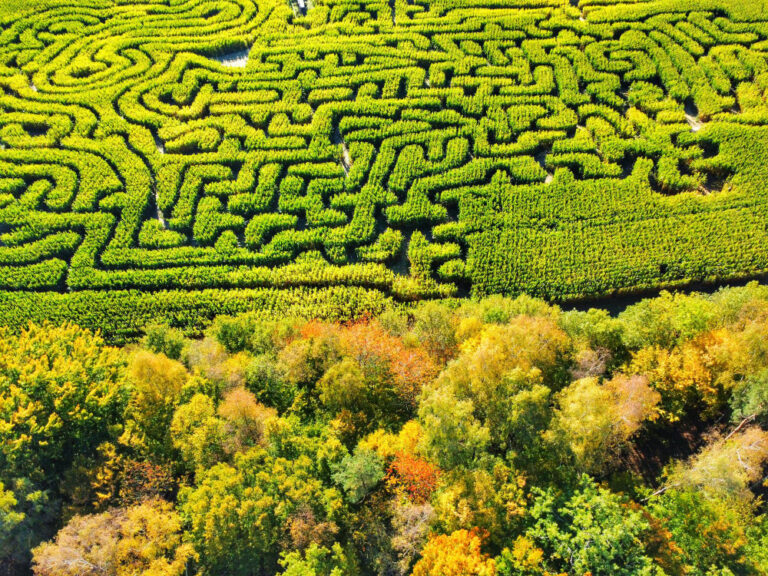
[(499, 437)]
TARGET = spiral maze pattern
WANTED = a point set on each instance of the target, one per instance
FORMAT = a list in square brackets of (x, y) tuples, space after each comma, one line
[(422, 148)]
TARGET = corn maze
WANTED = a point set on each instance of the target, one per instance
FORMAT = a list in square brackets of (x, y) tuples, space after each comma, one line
[(402, 150)]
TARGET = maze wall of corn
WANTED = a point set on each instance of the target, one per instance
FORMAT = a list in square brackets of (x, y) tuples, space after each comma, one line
[(187, 158)]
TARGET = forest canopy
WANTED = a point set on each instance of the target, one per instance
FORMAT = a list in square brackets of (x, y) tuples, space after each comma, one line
[(497, 437)]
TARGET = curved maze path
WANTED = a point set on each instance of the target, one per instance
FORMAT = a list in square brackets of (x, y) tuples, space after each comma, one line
[(420, 148)]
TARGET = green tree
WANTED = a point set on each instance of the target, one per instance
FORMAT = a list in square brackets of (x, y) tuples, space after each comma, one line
[(162, 339), (594, 329), (263, 378), (25, 517), (666, 320), (452, 435), (10, 516), (711, 534), (591, 531), (359, 473), (514, 405), (360, 398), (318, 561), (497, 309), (235, 332), (750, 399), (239, 513), (345, 392)]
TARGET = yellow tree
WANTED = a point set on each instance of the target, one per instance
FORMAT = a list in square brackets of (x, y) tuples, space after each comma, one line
[(456, 554), (144, 540), (595, 420), (157, 384)]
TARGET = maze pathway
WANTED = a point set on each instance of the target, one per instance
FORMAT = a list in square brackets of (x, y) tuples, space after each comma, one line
[(420, 148)]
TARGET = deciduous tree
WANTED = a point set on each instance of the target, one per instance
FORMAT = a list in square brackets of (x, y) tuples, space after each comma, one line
[(452, 436), (596, 420), (144, 539), (456, 554), (239, 513), (359, 473), (590, 531), (727, 467), (198, 433), (157, 384), (319, 561)]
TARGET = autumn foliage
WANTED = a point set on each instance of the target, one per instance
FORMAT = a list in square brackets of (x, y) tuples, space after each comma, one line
[(416, 477), (456, 554), (497, 438), (373, 348)]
